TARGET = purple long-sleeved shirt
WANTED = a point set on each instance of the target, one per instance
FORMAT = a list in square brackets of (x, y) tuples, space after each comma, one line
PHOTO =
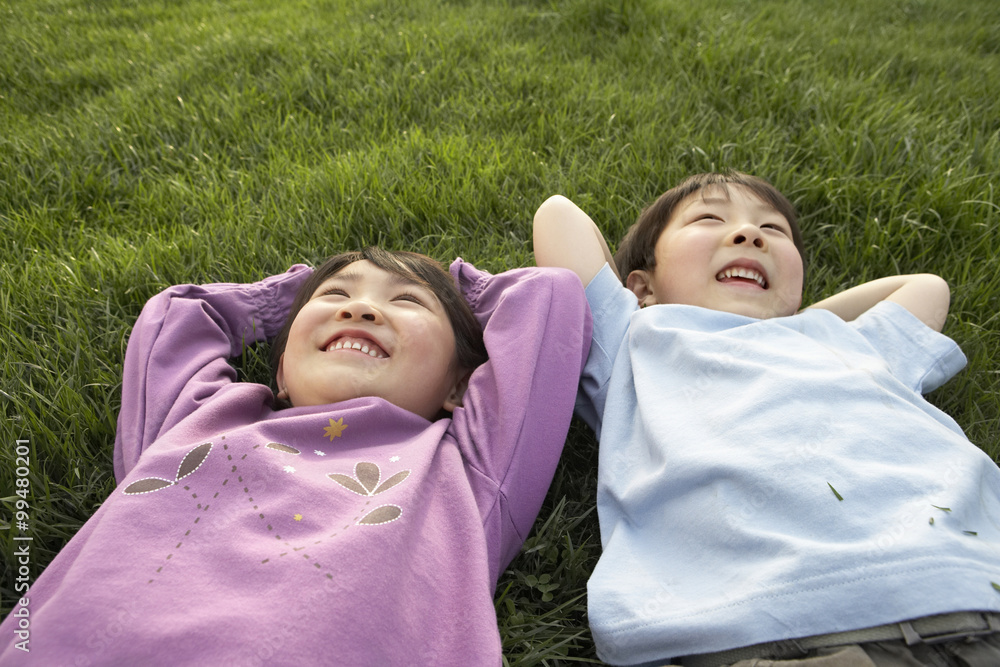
[(355, 533)]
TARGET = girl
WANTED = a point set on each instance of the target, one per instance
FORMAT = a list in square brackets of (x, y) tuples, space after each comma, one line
[(360, 514)]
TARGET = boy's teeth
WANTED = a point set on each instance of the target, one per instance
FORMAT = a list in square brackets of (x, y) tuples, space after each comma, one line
[(740, 272)]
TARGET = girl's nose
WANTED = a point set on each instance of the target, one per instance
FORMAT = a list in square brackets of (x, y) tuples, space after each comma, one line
[(359, 309)]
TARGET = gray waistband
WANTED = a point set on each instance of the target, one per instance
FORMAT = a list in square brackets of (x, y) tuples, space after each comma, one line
[(926, 630)]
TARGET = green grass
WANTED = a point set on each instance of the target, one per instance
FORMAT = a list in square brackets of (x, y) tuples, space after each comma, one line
[(144, 144)]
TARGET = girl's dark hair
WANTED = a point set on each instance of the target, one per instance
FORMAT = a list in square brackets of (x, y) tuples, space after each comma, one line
[(420, 269), (637, 250)]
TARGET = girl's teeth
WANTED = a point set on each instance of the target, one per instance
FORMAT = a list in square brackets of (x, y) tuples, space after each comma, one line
[(364, 349)]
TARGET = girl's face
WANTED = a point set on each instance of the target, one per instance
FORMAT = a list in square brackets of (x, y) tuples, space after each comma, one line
[(727, 250), (368, 332)]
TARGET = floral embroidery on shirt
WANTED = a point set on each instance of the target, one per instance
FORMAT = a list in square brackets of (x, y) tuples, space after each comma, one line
[(191, 462), (365, 482), (366, 479)]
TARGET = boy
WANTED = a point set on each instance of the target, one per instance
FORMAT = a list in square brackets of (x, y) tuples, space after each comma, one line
[(773, 485)]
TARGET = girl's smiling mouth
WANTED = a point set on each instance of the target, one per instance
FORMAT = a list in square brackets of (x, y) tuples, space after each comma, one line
[(359, 343)]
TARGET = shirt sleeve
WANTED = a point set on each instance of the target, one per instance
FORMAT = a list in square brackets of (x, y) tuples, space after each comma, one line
[(517, 409), (918, 356), (612, 306), (176, 358)]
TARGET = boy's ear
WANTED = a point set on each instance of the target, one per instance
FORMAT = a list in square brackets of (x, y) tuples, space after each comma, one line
[(457, 392), (279, 379), (639, 282)]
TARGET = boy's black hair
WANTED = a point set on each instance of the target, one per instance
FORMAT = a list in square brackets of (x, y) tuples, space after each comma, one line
[(637, 249), (420, 269)]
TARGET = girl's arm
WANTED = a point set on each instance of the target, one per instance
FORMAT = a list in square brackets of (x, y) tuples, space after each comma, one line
[(925, 295), (566, 237), (177, 353), (516, 412)]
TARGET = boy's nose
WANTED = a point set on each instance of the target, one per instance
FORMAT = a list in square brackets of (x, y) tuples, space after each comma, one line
[(749, 234), (359, 309)]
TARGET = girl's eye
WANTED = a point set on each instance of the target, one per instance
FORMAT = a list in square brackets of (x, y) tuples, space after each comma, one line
[(413, 298), (777, 228), (335, 291)]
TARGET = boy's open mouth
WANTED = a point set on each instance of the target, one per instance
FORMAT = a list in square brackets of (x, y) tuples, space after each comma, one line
[(742, 273), (363, 345)]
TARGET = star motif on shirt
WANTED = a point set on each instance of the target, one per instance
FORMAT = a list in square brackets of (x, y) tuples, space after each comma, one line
[(335, 429), (288, 469), (393, 459), (297, 517), (319, 453)]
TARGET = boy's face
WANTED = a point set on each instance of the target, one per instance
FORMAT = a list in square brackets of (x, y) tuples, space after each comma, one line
[(727, 250), (368, 332)]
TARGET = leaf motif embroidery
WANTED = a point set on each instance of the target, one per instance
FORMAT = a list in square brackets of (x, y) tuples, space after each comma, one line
[(379, 515), (348, 483), (147, 485), (282, 448), (368, 474), (193, 460), (391, 482)]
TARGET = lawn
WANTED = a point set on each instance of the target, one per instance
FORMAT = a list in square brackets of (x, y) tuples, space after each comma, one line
[(144, 144)]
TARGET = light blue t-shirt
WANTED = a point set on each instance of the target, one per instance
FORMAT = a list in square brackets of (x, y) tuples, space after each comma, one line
[(771, 479)]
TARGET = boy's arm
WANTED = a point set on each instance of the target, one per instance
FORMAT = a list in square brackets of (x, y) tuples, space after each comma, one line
[(925, 295), (566, 237)]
